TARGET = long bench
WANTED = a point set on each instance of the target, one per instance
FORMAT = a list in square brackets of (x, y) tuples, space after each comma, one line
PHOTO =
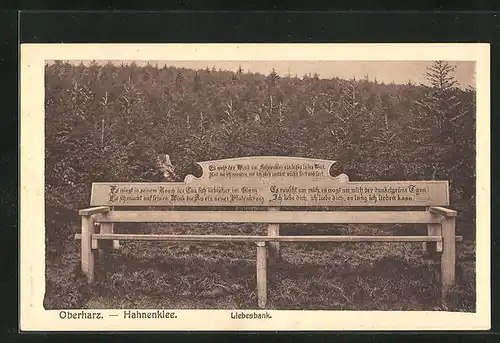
[(274, 191)]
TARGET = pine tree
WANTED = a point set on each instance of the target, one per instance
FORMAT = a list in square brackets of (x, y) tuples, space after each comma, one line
[(272, 77), (179, 81), (197, 83), (440, 76)]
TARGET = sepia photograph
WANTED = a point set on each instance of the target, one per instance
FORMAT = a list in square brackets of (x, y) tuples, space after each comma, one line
[(256, 187)]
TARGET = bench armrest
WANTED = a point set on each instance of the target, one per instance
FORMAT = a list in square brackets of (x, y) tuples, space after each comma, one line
[(443, 211), (93, 210)]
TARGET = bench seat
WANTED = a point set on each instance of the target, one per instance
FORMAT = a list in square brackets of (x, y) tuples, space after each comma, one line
[(281, 217)]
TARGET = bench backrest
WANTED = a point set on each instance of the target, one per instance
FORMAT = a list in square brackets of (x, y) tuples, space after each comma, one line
[(271, 181)]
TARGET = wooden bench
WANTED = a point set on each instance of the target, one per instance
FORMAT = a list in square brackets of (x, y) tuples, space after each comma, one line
[(274, 191)]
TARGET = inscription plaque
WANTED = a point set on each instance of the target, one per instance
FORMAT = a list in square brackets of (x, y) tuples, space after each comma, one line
[(270, 181)]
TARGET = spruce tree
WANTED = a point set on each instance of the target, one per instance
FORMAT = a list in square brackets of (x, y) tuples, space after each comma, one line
[(432, 125), (272, 77), (196, 83)]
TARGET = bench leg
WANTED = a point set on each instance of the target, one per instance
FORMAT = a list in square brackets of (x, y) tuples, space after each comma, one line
[(105, 245), (87, 252), (274, 247), (109, 228), (261, 274), (116, 243), (433, 247), (448, 256)]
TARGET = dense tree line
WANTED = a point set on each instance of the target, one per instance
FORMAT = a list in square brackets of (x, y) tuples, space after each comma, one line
[(110, 122)]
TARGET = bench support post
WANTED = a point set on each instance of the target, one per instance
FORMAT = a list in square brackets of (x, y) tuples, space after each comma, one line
[(87, 253), (116, 243), (274, 230), (448, 256), (109, 228), (104, 245), (261, 274), (433, 247)]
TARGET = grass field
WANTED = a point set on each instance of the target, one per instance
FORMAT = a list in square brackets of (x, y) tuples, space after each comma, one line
[(335, 276)]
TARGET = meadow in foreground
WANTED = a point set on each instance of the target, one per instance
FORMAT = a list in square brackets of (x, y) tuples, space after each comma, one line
[(312, 276)]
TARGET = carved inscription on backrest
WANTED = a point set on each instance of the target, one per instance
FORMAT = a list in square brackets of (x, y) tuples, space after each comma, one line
[(270, 181)]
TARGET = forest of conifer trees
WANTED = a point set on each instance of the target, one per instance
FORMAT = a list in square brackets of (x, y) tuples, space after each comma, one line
[(110, 122)]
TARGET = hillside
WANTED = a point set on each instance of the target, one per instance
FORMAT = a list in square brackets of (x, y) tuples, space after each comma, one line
[(112, 122)]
